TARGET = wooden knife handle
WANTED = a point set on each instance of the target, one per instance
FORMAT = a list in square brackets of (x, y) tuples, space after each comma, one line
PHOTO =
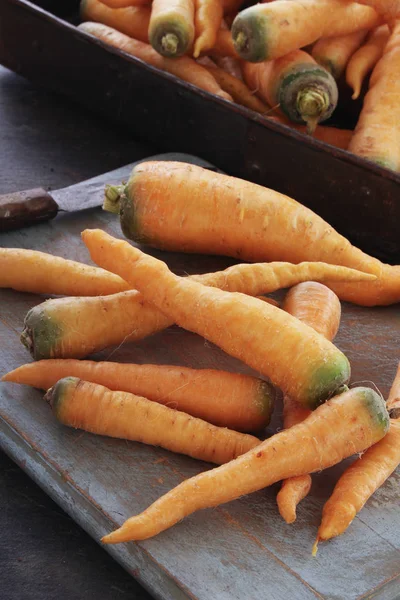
[(20, 209)]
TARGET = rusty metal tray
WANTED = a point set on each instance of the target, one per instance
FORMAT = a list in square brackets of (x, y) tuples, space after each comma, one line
[(40, 41)]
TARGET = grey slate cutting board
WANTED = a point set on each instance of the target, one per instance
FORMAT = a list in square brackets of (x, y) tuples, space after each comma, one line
[(242, 549)]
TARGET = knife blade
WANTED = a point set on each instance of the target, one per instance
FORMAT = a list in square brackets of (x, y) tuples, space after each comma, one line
[(20, 209)]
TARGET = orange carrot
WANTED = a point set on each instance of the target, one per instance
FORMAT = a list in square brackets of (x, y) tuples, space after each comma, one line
[(195, 210), (377, 134), (171, 28), (133, 20), (125, 3), (237, 89), (224, 44), (318, 307), (304, 91), (207, 22), (41, 273), (231, 400), (297, 359), (77, 327), (271, 30), (365, 59), (184, 67), (346, 424), (334, 53), (389, 9), (330, 135), (95, 408)]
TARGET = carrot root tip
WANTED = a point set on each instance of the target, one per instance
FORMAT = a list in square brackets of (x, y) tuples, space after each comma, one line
[(112, 198)]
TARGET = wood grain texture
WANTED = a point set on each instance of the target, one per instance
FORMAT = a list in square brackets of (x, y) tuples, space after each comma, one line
[(228, 553)]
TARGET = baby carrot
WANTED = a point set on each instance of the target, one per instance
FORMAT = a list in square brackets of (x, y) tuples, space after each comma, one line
[(334, 53), (41, 273), (240, 402), (318, 307), (296, 359), (365, 59), (97, 409), (377, 134), (208, 18), (77, 327), (271, 30), (304, 91), (346, 424), (132, 20), (183, 67), (171, 27)]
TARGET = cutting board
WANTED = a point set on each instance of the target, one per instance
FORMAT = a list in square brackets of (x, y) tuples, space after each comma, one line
[(242, 550)]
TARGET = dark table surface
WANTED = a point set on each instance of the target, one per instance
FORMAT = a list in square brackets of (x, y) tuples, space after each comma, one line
[(47, 141)]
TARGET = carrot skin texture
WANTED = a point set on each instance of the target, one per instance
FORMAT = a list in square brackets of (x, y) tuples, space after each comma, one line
[(365, 59), (344, 425), (171, 27), (132, 21), (335, 53), (41, 273), (239, 402), (237, 89), (208, 18), (95, 408), (296, 359)]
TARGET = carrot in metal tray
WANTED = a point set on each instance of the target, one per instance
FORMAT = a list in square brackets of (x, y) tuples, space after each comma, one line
[(208, 18), (77, 327), (297, 359), (240, 402), (346, 424), (334, 53), (184, 67), (303, 90), (330, 135), (41, 273), (133, 20), (171, 27), (318, 307), (377, 134), (364, 476), (267, 31), (195, 210), (95, 408), (365, 59)]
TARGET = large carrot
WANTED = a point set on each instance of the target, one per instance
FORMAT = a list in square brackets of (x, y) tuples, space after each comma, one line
[(377, 134), (95, 408), (365, 59), (345, 425), (41, 273), (304, 91), (77, 327), (330, 135), (334, 53), (185, 208), (319, 307), (364, 476), (296, 359), (184, 67), (171, 27), (133, 20), (231, 400), (208, 18), (267, 31)]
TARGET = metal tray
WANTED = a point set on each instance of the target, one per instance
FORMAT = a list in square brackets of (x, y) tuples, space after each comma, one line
[(40, 41)]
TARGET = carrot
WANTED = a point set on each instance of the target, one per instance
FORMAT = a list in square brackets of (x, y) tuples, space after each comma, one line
[(125, 3), (237, 89), (207, 22), (365, 58), (231, 400), (296, 359), (171, 28), (330, 135), (334, 53), (304, 91), (389, 9), (224, 44), (228, 64), (364, 476), (346, 424), (195, 210), (318, 307), (77, 327), (377, 134), (271, 30), (184, 67), (41, 273), (133, 20), (97, 409), (393, 401)]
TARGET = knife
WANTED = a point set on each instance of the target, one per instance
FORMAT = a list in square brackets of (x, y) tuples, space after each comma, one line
[(28, 207)]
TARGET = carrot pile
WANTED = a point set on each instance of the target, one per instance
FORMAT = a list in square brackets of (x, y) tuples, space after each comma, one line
[(283, 59)]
